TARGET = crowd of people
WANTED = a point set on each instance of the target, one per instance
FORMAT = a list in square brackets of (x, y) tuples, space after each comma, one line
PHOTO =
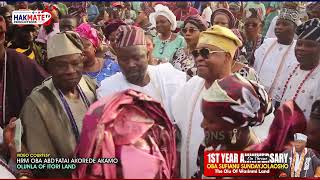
[(155, 84)]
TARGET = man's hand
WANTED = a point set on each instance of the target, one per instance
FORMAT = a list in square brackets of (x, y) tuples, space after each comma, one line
[(8, 138), (317, 173)]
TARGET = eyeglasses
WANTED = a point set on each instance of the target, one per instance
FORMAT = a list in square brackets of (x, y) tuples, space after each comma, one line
[(204, 52), (191, 30)]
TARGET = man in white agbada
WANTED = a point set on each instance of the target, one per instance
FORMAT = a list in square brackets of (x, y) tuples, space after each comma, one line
[(275, 55), (214, 58), (160, 82), (301, 82), (271, 30)]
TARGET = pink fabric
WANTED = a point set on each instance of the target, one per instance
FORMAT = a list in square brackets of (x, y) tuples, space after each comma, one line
[(87, 32), (131, 154), (129, 130), (112, 126)]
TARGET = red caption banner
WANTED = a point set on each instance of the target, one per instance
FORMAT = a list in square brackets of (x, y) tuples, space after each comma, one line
[(244, 163)]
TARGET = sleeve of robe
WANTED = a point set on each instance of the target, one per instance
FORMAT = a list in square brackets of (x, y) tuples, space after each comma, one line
[(287, 171), (315, 162), (260, 52), (35, 135)]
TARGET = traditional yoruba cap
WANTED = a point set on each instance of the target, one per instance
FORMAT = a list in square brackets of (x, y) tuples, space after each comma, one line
[(289, 14), (198, 21), (115, 4), (87, 32), (128, 35), (227, 13), (221, 37), (163, 11), (309, 30), (64, 43), (238, 101), (300, 137)]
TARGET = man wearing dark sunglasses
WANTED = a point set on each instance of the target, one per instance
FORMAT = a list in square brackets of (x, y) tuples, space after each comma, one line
[(214, 59)]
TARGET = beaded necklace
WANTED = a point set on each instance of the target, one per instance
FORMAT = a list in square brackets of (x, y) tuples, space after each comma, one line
[(69, 112), (300, 85), (293, 173)]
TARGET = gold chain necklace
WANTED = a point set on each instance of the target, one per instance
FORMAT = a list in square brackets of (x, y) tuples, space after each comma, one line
[(293, 173)]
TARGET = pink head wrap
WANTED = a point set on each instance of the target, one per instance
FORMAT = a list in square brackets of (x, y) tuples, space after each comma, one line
[(87, 32)]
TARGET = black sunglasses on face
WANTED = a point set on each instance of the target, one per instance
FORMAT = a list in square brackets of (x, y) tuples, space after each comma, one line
[(204, 52)]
